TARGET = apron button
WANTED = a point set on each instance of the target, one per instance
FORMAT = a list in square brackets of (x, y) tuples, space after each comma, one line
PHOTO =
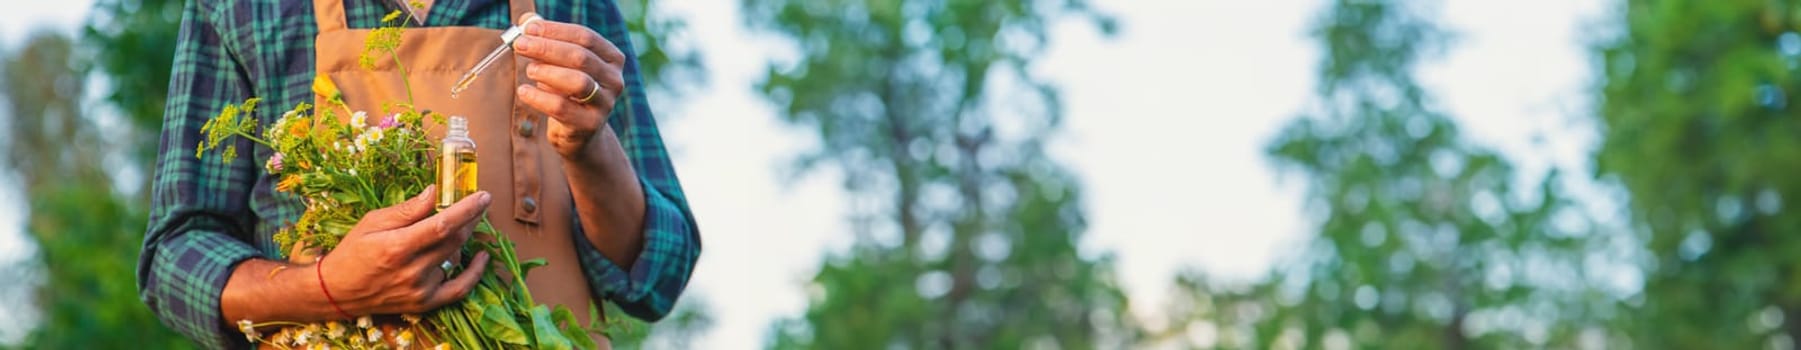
[(529, 205), (525, 128)]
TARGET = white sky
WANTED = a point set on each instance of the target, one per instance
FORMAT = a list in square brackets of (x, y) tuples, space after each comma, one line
[(1166, 127)]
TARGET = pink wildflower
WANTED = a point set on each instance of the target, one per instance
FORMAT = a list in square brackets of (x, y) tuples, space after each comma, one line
[(274, 164)]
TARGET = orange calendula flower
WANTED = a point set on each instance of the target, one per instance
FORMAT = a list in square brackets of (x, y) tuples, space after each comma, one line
[(288, 183), (299, 129)]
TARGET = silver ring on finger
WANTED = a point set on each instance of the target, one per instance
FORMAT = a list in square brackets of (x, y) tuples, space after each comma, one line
[(446, 266)]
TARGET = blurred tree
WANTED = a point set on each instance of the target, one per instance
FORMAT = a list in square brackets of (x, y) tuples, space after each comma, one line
[(967, 231), (87, 233), (670, 59), (1422, 239), (133, 42), (1694, 110)]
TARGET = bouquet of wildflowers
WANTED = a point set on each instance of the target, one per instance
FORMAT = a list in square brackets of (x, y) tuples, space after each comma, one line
[(342, 170)]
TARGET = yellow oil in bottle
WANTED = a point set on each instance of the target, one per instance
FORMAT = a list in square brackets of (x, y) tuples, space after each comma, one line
[(457, 167)]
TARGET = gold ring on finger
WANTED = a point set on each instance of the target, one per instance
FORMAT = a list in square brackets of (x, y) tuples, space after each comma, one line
[(595, 91)]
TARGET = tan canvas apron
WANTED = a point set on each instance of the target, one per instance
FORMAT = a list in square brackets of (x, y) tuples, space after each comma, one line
[(532, 204)]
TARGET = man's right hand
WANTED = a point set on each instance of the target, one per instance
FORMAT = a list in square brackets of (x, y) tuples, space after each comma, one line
[(389, 263)]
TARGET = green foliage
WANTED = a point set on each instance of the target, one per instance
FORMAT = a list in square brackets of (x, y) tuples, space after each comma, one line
[(1695, 108), (88, 235), (89, 299), (970, 236), (667, 56), (676, 331), (1422, 239), (133, 42)]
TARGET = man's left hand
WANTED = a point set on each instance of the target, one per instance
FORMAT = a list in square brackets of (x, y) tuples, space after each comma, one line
[(578, 76)]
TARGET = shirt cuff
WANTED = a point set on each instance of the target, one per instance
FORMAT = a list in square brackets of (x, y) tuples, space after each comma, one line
[(671, 245), (183, 281)]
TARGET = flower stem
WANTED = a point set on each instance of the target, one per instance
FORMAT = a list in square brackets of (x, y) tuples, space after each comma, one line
[(403, 76), (250, 137)]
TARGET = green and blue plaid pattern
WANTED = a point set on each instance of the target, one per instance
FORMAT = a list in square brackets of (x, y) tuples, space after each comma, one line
[(208, 215)]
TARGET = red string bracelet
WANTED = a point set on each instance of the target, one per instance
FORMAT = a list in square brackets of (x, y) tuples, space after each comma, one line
[(320, 269)]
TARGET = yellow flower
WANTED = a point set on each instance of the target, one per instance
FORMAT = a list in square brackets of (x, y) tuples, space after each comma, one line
[(323, 86)]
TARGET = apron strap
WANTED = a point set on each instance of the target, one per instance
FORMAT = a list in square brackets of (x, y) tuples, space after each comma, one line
[(330, 15), (520, 7)]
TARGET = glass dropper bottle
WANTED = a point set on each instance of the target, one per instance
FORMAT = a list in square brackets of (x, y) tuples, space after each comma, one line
[(456, 165), (506, 46)]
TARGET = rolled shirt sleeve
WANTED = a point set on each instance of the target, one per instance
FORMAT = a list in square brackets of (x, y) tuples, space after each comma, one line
[(657, 278), (672, 241)]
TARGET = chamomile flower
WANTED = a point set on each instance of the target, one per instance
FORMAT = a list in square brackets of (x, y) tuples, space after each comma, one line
[(373, 335), (365, 322), (367, 138), (359, 120), (282, 337), (334, 330), (249, 330)]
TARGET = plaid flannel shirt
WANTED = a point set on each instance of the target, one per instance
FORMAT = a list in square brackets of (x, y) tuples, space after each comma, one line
[(207, 215)]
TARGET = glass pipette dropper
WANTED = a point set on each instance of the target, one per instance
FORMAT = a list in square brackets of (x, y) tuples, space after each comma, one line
[(506, 45)]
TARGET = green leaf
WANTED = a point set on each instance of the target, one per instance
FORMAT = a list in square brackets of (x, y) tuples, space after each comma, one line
[(336, 227), (395, 196), (549, 337), (484, 226), (498, 323), (487, 296), (525, 267), (347, 198), (572, 328)]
